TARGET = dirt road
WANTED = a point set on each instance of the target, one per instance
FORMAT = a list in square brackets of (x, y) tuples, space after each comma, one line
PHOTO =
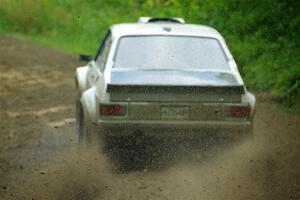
[(40, 157)]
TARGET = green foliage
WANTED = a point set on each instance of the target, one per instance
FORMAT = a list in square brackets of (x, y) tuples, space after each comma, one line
[(263, 35)]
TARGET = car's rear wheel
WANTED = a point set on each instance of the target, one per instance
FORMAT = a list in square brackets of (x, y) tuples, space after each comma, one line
[(81, 127)]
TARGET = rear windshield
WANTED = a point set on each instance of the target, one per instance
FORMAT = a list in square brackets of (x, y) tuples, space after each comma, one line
[(170, 52)]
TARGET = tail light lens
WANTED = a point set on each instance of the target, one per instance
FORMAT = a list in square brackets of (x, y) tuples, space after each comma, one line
[(239, 111), (113, 110)]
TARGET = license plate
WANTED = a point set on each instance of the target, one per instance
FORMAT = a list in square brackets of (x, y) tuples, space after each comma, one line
[(175, 112)]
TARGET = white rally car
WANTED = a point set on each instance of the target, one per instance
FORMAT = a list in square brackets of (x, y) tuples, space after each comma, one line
[(162, 78)]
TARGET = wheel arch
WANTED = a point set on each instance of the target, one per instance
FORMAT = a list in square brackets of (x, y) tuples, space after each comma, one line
[(250, 98), (81, 79), (89, 105)]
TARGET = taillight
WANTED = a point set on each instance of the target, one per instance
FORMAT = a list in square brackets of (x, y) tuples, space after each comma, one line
[(113, 110), (239, 111)]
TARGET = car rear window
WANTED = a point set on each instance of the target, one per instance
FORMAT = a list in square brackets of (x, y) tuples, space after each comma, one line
[(170, 52)]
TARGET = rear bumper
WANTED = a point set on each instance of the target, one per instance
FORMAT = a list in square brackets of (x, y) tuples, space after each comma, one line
[(175, 128)]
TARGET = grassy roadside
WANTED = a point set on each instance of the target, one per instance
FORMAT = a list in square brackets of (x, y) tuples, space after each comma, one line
[(262, 35)]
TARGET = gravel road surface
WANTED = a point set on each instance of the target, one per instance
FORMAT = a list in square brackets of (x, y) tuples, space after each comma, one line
[(40, 158)]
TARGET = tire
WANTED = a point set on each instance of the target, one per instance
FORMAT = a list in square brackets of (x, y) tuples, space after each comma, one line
[(81, 128)]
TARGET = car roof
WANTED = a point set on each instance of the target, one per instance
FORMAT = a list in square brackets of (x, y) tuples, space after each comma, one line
[(128, 29)]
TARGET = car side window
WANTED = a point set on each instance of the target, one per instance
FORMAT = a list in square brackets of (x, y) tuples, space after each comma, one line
[(103, 51)]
